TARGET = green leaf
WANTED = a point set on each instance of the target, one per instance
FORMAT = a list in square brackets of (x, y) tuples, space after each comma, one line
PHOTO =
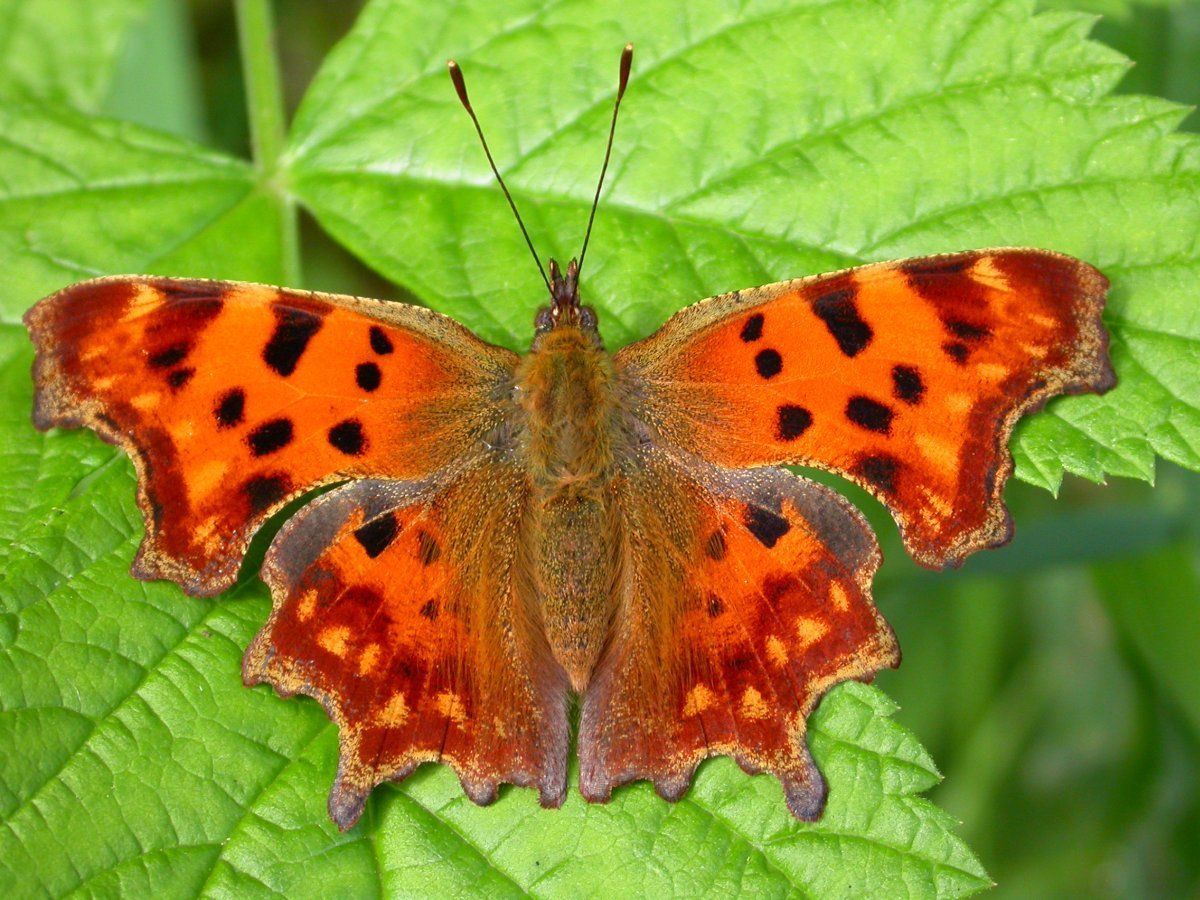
[(761, 140), (83, 196), (172, 100), (63, 50), (765, 141)]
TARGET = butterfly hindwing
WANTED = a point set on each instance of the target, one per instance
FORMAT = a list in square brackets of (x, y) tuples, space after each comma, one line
[(744, 596), (234, 398), (906, 377), (400, 607)]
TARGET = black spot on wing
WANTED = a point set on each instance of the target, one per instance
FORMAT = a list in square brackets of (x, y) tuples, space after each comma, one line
[(264, 491), (792, 422), (753, 328), (768, 363), (170, 356), (928, 266), (879, 470), (380, 342), (187, 309), (907, 384), (378, 534), (839, 312), (347, 437), (968, 331), (870, 414), (368, 376), (957, 351), (429, 609), (270, 436), (231, 408), (946, 281), (715, 606), (178, 378), (196, 312), (203, 298), (767, 526), (294, 328)]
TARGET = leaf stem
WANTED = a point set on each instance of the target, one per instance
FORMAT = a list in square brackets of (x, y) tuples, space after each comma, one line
[(268, 126)]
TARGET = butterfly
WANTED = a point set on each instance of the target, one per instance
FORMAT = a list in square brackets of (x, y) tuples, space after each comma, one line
[(506, 531)]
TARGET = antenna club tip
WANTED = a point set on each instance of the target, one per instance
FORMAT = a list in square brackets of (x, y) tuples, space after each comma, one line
[(626, 63), (460, 86)]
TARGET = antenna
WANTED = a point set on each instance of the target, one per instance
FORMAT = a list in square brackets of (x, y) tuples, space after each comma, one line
[(626, 62), (460, 87)]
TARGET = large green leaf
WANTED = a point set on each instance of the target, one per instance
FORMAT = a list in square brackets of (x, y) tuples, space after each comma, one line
[(83, 197), (767, 140), (761, 141), (63, 50)]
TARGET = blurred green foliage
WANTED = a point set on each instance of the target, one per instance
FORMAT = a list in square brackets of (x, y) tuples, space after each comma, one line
[(1055, 682)]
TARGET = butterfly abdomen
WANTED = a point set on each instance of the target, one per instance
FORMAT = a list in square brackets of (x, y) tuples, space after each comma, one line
[(575, 561)]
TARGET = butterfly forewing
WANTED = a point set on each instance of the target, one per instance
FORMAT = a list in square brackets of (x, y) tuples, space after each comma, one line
[(234, 398), (906, 377)]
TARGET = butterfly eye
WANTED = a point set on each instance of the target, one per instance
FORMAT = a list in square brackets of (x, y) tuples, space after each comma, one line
[(544, 320), (587, 317)]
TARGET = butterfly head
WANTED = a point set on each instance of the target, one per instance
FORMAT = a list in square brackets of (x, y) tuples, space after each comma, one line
[(565, 310)]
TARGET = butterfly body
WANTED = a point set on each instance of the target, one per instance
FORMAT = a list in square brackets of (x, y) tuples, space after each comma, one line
[(509, 529), (572, 419)]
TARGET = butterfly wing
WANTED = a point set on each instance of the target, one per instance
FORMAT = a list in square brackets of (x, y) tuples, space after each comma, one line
[(234, 398), (905, 377), (402, 608), (743, 597)]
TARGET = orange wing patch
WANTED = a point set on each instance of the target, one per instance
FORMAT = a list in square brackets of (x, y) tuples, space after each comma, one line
[(906, 377), (416, 636), (233, 398), (746, 597)]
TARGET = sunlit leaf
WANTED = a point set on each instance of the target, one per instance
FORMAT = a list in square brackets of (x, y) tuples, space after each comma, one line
[(63, 50)]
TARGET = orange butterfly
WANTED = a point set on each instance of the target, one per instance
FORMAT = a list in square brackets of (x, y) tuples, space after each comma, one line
[(514, 528)]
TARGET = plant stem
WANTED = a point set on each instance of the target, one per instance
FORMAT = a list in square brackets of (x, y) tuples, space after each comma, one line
[(268, 128)]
